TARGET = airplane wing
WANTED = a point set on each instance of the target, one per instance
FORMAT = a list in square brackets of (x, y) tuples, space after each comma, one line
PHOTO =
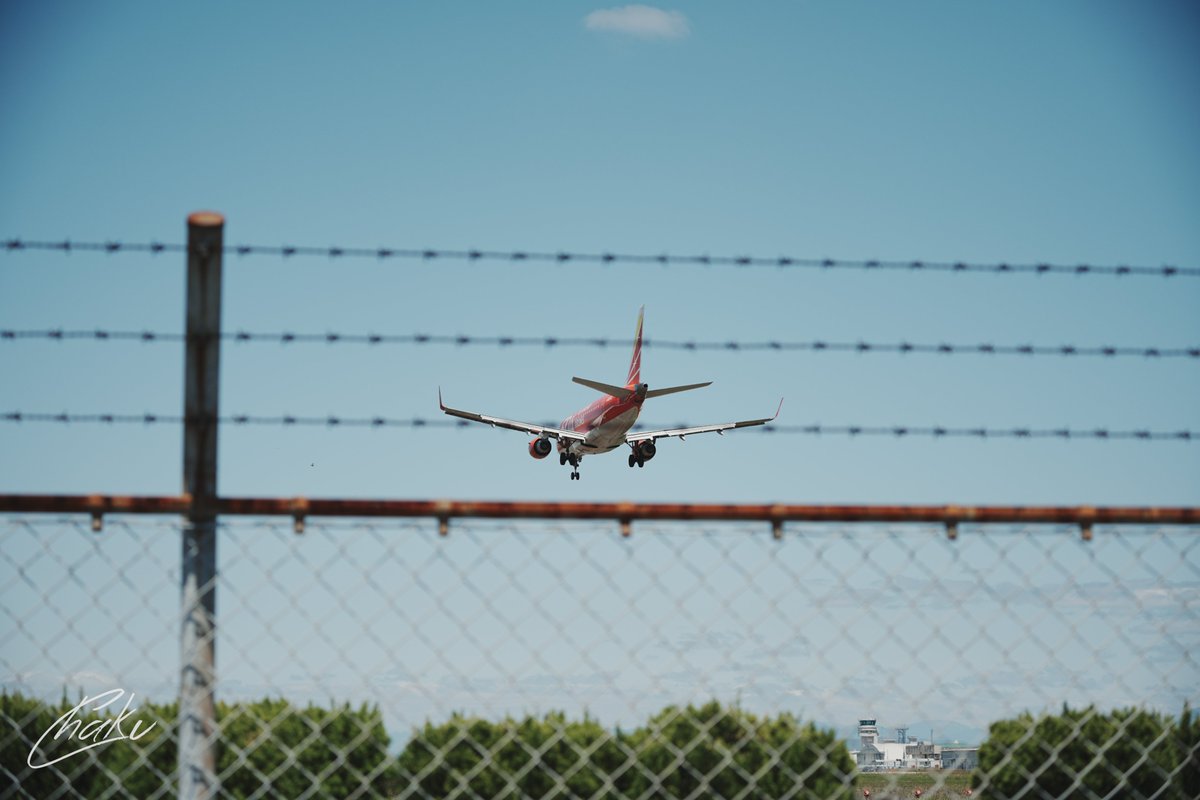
[(642, 436), (514, 425)]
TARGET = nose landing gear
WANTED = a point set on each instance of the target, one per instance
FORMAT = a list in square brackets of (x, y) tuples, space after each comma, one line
[(574, 460)]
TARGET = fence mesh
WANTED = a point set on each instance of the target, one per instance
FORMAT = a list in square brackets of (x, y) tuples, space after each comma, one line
[(527, 659)]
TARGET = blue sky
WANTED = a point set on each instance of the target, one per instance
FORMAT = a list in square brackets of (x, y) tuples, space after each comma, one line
[(1018, 132), (997, 133)]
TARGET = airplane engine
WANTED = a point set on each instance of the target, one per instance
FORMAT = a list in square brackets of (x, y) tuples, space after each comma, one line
[(647, 450), (540, 447)]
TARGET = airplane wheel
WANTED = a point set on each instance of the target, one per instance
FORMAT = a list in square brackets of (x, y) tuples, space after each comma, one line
[(631, 460), (641, 463), (562, 459)]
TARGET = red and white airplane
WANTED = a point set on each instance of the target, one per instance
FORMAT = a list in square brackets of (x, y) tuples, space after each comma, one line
[(604, 425)]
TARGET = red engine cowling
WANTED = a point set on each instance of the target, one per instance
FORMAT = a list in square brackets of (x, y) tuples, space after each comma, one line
[(540, 447)]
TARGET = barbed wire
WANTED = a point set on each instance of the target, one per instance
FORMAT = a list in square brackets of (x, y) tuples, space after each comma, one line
[(334, 421), (814, 345), (67, 246), (566, 257)]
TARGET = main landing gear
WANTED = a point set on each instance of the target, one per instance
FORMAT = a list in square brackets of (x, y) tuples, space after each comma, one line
[(641, 452)]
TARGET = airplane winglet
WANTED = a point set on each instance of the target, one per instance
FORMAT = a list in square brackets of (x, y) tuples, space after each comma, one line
[(778, 409), (441, 405)]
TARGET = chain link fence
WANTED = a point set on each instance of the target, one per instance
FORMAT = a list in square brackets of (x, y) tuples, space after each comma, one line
[(563, 660)]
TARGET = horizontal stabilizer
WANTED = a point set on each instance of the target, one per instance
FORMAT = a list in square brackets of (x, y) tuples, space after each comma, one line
[(674, 389), (616, 391)]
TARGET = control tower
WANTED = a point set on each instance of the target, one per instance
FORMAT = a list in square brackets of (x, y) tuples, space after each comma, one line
[(868, 733)]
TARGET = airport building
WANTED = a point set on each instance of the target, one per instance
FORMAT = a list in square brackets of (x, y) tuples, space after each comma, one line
[(960, 757), (906, 752)]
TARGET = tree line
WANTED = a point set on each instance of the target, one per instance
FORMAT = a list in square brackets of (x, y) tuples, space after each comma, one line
[(272, 748)]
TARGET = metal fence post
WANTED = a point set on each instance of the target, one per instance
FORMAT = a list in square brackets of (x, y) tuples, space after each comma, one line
[(197, 710)]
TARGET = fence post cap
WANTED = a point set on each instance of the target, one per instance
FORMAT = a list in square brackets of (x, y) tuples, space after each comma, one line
[(206, 219)]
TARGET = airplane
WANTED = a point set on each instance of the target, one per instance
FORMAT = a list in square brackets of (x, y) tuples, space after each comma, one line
[(605, 424)]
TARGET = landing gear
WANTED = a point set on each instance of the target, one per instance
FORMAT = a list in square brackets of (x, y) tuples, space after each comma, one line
[(574, 459), (562, 459), (641, 452)]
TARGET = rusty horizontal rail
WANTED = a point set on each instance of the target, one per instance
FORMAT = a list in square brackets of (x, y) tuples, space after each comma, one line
[(301, 507)]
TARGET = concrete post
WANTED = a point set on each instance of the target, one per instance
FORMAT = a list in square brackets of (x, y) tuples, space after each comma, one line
[(197, 711)]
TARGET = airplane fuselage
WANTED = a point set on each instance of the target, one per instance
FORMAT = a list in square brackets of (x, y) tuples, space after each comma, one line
[(604, 423)]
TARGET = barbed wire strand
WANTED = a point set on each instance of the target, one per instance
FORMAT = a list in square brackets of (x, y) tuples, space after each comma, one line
[(814, 345), (333, 421), (565, 257)]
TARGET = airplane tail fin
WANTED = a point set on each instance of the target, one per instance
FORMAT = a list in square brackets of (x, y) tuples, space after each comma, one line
[(674, 389), (635, 363), (635, 373)]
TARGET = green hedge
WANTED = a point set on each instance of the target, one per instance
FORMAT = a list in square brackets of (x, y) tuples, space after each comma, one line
[(1087, 753), (268, 748), (679, 750), (272, 749)]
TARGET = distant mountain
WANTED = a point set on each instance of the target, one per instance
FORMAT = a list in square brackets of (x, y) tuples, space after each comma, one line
[(947, 732), (847, 732)]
